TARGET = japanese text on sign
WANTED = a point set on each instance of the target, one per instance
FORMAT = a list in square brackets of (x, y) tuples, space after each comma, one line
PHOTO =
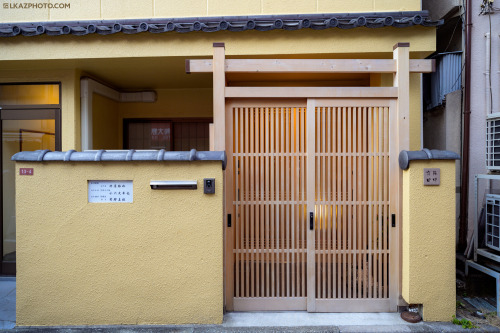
[(111, 191), (432, 176)]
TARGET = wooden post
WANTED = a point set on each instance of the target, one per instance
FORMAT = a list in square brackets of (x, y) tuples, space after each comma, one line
[(211, 137), (219, 86), (401, 54)]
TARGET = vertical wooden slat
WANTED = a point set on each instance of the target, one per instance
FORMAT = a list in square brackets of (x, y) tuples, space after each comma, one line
[(268, 200), (294, 199), (348, 245), (237, 218), (323, 198), (344, 202), (328, 197), (355, 201), (339, 203), (256, 159), (247, 199), (380, 188), (251, 200), (334, 112), (386, 198), (366, 206), (288, 200), (281, 279), (311, 247), (262, 199), (370, 200), (273, 199), (304, 208)]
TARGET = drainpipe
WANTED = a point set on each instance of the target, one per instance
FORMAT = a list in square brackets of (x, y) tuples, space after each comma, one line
[(487, 74), (464, 186)]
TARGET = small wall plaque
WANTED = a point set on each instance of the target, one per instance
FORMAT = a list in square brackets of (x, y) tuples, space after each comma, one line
[(26, 171), (432, 176), (110, 191)]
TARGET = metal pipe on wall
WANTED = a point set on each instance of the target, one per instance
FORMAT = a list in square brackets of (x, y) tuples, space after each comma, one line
[(464, 186)]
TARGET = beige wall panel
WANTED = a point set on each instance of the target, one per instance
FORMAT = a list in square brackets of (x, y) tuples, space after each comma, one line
[(79, 10), (105, 125), (396, 5), (415, 112), (185, 8), (357, 42), (231, 7), (172, 103), (428, 272), (112, 9), (12, 14), (289, 6), (342, 6), (145, 262)]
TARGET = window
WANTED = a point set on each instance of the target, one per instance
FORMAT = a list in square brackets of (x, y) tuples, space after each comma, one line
[(171, 135)]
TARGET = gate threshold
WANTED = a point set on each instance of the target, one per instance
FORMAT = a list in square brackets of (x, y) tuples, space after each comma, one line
[(307, 319)]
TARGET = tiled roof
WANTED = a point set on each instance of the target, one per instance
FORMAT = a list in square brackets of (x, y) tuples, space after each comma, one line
[(212, 24)]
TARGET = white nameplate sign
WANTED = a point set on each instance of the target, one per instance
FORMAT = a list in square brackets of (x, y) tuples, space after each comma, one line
[(111, 191)]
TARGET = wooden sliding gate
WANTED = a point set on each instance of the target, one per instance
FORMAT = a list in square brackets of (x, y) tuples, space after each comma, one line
[(309, 194)]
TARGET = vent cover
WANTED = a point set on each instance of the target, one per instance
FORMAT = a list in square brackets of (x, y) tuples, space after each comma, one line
[(493, 221), (493, 142)]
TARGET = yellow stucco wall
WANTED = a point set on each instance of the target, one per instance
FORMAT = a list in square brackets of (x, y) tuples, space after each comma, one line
[(353, 43), (158, 260), (105, 124), (428, 272), (115, 9)]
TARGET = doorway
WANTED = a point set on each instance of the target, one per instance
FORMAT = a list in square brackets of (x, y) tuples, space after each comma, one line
[(309, 194), (30, 119)]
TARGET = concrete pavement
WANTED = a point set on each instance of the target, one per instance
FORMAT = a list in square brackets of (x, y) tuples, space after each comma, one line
[(244, 322)]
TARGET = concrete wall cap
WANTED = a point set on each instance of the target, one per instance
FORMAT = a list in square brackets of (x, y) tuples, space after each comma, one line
[(120, 156), (406, 156)]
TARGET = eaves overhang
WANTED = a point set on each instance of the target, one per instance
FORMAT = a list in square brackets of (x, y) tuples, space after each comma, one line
[(221, 23)]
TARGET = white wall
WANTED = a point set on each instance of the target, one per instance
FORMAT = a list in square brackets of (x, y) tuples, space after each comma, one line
[(480, 26)]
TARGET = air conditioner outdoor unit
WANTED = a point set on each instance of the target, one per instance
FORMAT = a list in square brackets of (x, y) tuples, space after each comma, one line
[(493, 221), (493, 142)]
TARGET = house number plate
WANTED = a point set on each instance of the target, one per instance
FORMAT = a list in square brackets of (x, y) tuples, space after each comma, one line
[(111, 191)]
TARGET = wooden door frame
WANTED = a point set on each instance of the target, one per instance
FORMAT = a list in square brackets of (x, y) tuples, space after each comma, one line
[(400, 66)]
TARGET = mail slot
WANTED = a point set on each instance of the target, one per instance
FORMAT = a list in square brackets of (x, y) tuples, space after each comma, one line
[(173, 184)]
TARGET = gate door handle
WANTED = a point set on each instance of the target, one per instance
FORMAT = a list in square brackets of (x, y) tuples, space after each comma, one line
[(311, 221)]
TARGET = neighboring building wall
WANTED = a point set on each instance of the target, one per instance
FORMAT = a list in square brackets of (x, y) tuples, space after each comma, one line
[(442, 8), (479, 94), (114, 9), (443, 130), (158, 260)]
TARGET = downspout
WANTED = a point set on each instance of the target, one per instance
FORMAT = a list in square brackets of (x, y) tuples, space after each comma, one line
[(464, 186), (88, 87), (487, 74)]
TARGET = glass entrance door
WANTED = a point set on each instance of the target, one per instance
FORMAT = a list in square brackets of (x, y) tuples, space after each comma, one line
[(29, 120), (19, 135)]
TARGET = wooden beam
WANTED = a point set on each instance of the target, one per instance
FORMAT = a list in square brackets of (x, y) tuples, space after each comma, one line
[(402, 142), (309, 66), (312, 92), (219, 83)]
